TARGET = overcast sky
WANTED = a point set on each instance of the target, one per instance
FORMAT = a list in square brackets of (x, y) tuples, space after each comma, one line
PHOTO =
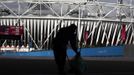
[(115, 1)]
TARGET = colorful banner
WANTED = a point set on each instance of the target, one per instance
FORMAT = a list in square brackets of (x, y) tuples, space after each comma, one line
[(86, 36), (123, 32), (11, 30)]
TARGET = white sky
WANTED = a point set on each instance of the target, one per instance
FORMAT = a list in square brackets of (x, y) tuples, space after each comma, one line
[(115, 1)]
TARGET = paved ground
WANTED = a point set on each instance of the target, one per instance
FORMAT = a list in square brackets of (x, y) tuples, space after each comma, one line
[(46, 66)]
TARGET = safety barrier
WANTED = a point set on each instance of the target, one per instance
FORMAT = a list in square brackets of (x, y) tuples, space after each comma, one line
[(39, 32)]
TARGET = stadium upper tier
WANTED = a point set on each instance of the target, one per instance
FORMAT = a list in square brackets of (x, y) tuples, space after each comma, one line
[(100, 9)]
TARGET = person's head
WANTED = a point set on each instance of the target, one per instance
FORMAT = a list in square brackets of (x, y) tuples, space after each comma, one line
[(73, 27)]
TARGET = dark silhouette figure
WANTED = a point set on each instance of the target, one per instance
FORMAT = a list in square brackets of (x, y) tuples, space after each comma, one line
[(60, 42)]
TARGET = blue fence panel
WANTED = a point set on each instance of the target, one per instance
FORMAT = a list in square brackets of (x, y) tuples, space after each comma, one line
[(86, 52)]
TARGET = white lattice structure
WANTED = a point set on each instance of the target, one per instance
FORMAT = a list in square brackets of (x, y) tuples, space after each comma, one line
[(41, 18)]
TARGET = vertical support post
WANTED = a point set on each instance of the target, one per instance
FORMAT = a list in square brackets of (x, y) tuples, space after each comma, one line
[(40, 7), (19, 7), (61, 9), (79, 20)]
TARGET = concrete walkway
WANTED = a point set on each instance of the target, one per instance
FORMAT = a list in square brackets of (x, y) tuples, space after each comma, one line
[(46, 66)]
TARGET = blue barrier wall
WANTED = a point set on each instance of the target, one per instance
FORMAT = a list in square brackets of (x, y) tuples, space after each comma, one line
[(85, 52)]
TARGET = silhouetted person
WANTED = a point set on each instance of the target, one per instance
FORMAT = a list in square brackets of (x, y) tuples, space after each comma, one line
[(60, 42)]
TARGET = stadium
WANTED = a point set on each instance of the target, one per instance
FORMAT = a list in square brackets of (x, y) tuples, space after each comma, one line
[(34, 24)]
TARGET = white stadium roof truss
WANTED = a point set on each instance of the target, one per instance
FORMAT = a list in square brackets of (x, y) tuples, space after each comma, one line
[(95, 16)]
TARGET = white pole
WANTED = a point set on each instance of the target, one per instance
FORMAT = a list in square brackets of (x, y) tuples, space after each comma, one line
[(38, 32), (81, 27), (61, 9), (31, 29), (98, 35), (28, 21), (111, 26), (40, 7), (118, 38), (7, 22), (55, 27), (4, 21), (31, 24), (18, 7), (24, 25), (79, 24), (41, 31), (104, 33), (91, 28), (48, 32), (131, 35), (127, 38), (115, 32)]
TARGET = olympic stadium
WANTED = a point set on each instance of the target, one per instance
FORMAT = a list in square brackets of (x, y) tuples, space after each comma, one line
[(102, 47)]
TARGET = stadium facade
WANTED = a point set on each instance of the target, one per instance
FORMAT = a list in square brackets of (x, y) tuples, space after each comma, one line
[(42, 18)]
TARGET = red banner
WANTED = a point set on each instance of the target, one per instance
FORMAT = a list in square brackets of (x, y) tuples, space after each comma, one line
[(86, 33), (11, 30), (123, 32)]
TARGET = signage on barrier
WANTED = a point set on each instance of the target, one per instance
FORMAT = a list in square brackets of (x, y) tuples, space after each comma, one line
[(11, 30)]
